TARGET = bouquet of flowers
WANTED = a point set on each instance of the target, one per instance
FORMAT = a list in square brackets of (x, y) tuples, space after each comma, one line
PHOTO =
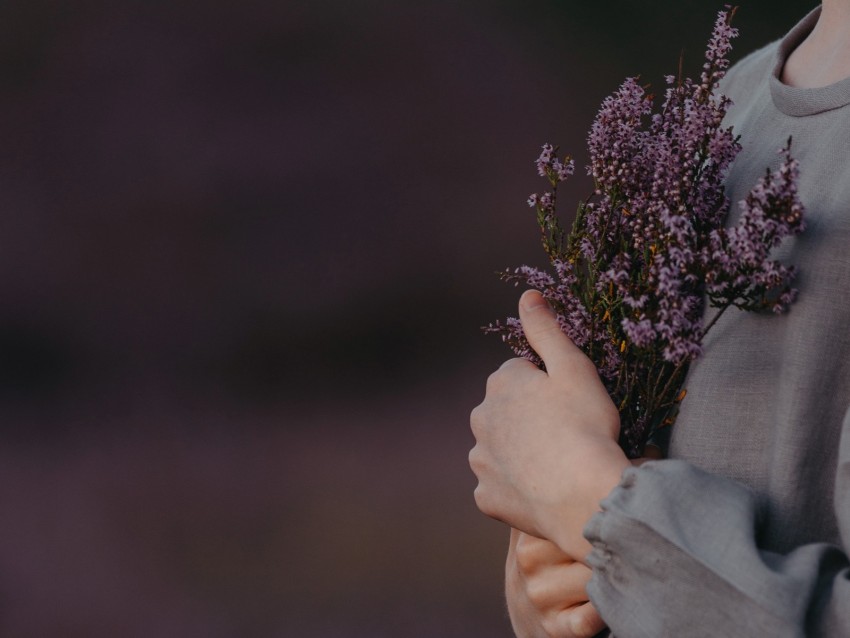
[(649, 249)]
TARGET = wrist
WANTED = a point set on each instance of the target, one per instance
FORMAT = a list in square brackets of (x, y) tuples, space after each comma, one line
[(596, 468)]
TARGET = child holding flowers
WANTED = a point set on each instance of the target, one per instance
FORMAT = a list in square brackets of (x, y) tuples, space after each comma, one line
[(744, 529)]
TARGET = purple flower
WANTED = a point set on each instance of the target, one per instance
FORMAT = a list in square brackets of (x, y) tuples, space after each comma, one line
[(548, 165), (648, 249)]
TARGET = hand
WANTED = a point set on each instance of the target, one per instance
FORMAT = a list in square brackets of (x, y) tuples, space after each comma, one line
[(545, 591), (546, 445)]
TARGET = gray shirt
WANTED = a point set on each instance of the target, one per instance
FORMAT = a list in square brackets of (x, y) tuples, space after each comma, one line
[(744, 530)]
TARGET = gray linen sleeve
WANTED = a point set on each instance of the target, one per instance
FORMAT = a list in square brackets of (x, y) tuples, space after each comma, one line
[(676, 553)]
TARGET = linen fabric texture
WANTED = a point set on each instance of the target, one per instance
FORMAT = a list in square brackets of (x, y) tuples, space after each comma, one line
[(744, 530)]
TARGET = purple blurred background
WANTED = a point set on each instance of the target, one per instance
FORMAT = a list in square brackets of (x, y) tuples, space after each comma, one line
[(245, 250)]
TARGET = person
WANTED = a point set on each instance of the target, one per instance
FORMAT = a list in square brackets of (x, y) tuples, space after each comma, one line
[(744, 529)]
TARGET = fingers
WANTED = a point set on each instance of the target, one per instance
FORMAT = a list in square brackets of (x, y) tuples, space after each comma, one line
[(511, 371), (544, 334), (546, 595), (553, 581), (558, 587), (579, 622), (534, 553)]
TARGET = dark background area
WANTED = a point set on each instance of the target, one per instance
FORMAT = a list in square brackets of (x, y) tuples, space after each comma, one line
[(245, 251)]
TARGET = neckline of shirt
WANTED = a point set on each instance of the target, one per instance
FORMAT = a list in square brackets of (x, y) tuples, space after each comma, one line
[(799, 102)]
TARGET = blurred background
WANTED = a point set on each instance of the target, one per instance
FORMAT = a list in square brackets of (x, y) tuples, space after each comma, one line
[(245, 251)]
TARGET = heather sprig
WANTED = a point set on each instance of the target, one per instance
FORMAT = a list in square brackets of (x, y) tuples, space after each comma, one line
[(649, 248)]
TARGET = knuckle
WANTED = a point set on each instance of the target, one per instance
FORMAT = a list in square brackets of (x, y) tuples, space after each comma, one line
[(537, 593), (526, 555), (493, 381), (476, 419), (478, 495), (482, 501), (549, 331), (475, 460), (510, 364), (585, 623), (487, 503)]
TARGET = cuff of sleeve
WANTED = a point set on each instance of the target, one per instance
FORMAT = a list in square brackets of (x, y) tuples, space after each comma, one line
[(681, 504), (672, 546)]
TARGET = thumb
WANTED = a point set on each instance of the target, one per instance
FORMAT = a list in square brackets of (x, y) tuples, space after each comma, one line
[(543, 332)]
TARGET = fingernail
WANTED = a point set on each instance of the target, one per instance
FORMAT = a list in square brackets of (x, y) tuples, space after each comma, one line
[(532, 299)]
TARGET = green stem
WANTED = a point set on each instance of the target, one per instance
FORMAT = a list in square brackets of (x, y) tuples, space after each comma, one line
[(714, 319)]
